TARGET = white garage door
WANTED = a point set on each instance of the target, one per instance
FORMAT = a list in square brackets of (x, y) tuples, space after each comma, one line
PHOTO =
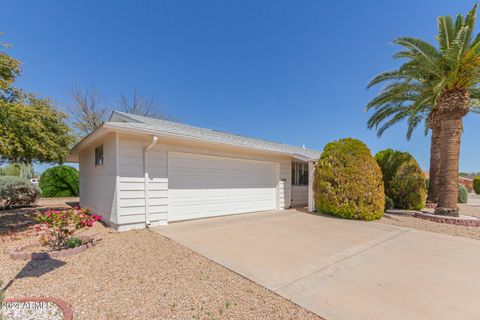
[(204, 186)]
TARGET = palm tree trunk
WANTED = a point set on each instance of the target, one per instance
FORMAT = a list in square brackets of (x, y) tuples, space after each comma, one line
[(453, 106), (434, 157)]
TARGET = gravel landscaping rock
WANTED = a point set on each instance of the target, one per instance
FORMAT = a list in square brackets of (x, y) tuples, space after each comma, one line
[(406, 220), (143, 275)]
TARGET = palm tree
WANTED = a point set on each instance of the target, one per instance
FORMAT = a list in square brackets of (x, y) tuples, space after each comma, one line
[(400, 102), (438, 86)]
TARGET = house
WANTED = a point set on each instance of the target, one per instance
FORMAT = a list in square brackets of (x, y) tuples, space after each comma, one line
[(467, 182), (138, 171)]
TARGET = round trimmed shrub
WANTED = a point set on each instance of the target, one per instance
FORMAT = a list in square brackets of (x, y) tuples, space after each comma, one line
[(404, 180), (17, 192), (462, 194), (476, 185), (60, 181), (348, 182)]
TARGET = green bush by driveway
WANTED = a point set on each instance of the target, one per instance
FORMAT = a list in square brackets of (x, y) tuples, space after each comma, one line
[(348, 181), (403, 179)]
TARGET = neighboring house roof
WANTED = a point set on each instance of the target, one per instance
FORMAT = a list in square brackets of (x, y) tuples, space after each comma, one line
[(119, 119)]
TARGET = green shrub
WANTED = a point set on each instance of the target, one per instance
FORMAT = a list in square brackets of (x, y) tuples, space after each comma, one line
[(476, 185), (348, 182), (462, 194), (388, 203), (404, 180), (60, 181), (74, 242), (17, 192)]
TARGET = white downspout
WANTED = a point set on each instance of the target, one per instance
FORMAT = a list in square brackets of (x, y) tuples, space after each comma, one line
[(311, 196), (147, 178)]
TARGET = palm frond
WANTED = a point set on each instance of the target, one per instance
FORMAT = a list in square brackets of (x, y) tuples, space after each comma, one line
[(425, 49), (445, 33)]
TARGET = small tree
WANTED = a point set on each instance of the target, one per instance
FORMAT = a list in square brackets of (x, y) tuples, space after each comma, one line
[(9, 69), (32, 129), (87, 111), (141, 106), (348, 181)]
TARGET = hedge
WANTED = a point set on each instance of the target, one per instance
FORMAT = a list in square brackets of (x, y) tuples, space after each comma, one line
[(462, 194), (60, 181), (476, 185), (348, 181), (404, 180)]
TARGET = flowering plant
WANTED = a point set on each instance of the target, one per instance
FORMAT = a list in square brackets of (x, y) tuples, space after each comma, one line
[(61, 224)]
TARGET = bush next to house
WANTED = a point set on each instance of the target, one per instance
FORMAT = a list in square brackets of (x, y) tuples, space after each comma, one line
[(17, 192), (476, 185), (348, 181), (60, 181), (462, 194), (404, 180)]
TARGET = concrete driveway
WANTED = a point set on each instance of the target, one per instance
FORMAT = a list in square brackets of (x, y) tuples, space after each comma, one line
[(344, 269)]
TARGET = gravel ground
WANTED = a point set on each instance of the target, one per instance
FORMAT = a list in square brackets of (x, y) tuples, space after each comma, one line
[(417, 223), (143, 275)]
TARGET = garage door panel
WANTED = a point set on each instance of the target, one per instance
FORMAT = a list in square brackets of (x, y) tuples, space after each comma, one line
[(204, 186)]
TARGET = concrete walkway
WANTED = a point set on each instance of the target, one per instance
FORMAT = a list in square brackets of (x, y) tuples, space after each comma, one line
[(344, 269)]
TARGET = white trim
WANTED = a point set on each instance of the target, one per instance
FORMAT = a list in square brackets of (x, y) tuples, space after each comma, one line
[(277, 193), (311, 196), (117, 177), (147, 178)]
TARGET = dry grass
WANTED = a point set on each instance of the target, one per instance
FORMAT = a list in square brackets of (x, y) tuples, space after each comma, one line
[(143, 275)]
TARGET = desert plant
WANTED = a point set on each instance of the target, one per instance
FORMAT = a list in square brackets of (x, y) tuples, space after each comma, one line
[(462, 194), (348, 181), (388, 203), (60, 181), (404, 180), (17, 192), (73, 242), (61, 225), (476, 185)]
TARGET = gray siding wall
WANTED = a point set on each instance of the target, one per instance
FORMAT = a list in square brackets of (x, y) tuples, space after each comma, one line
[(97, 183)]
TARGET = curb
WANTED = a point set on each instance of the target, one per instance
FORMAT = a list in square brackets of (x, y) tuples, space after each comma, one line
[(448, 220), (18, 254)]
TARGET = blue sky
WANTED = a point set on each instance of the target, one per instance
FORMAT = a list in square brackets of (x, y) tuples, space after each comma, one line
[(289, 71)]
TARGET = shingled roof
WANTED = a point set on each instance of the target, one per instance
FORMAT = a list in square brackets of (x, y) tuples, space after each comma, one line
[(132, 121)]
